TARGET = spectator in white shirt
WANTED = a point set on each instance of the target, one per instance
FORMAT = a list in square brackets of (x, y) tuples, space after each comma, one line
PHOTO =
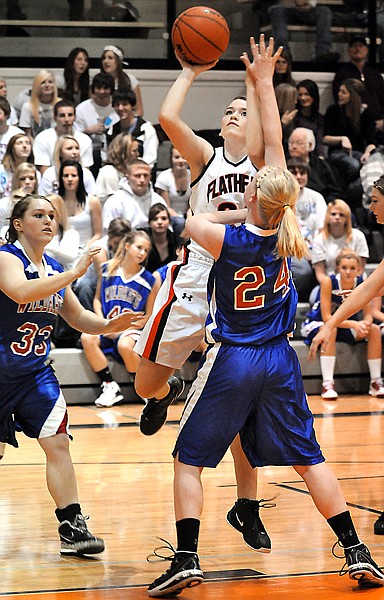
[(6, 131), (64, 114), (65, 245), (124, 103), (96, 115), (66, 148), (135, 197), (13, 118), (337, 234), (310, 211), (19, 150), (121, 151), (24, 182), (37, 112)]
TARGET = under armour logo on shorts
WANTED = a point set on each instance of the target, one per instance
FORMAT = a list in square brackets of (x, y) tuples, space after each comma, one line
[(188, 297)]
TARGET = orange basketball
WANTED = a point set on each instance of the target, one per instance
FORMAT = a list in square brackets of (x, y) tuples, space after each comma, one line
[(200, 35)]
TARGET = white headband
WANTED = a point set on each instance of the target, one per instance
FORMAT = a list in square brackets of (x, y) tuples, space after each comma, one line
[(115, 50)]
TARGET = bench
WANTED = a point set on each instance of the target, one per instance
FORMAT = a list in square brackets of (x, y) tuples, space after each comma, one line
[(138, 27), (81, 386)]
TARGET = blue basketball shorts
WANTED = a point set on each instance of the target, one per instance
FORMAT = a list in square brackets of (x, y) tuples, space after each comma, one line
[(33, 404), (257, 392)]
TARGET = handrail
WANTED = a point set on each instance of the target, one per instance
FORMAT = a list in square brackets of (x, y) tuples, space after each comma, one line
[(112, 24)]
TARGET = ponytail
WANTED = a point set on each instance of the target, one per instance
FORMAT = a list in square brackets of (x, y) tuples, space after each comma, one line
[(277, 192)]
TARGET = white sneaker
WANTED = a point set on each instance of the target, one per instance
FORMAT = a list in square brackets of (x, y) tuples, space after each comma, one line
[(376, 388), (2, 449), (110, 395), (328, 391)]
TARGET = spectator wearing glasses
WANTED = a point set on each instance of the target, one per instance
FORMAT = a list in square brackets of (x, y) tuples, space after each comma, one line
[(322, 178)]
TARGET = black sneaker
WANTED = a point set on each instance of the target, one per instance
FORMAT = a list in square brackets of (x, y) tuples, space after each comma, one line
[(184, 572), (244, 516), (77, 540), (360, 566), (378, 527), (154, 413)]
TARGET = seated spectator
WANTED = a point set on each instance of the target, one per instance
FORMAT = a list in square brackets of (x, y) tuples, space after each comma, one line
[(308, 13), (66, 148), (37, 112), (6, 131), (164, 241), (121, 151), (124, 103), (19, 150), (322, 178), (136, 290), (135, 197), (96, 115), (337, 234), (283, 69), (357, 328), (174, 185), (349, 131), (13, 118), (310, 211), (286, 96), (65, 245), (308, 114), (64, 114), (73, 84), (85, 287), (358, 68), (24, 181), (84, 212), (112, 62)]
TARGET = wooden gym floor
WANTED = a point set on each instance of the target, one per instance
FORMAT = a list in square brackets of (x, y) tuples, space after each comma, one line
[(125, 484)]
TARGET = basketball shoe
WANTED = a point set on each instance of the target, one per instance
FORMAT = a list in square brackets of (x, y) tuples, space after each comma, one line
[(376, 388), (77, 540), (154, 412), (328, 391), (184, 572), (378, 527), (110, 395), (244, 516), (360, 566)]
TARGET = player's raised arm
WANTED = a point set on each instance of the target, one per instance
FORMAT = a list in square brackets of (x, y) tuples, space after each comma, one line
[(192, 147), (260, 73)]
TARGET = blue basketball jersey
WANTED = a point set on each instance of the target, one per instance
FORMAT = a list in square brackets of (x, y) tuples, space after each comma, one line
[(119, 294), (315, 313), (25, 329), (255, 300)]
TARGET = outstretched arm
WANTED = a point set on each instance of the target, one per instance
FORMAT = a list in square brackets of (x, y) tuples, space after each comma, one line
[(260, 73), (88, 322)]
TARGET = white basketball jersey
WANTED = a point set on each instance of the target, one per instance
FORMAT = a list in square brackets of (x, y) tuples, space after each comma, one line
[(220, 186)]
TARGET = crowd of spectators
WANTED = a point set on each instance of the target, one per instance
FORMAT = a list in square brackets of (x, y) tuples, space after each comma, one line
[(85, 142)]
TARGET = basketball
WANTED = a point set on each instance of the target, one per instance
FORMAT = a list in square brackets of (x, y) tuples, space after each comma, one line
[(200, 35)]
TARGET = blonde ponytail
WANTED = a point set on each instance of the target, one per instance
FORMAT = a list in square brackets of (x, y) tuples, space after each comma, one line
[(277, 192)]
